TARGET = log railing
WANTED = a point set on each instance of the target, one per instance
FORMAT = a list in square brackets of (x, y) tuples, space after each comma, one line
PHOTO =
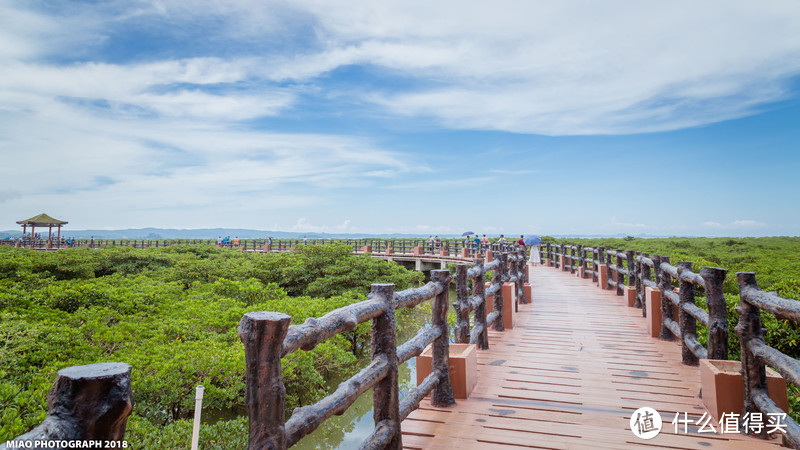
[(507, 267), (756, 353), (267, 337), (628, 268), (684, 327), (445, 247)]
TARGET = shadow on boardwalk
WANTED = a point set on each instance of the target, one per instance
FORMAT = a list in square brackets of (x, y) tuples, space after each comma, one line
[(575, 367)]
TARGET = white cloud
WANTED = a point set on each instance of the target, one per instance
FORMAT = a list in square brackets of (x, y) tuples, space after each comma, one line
[(748, 224), (741, 223), (623, 225), (570, 67)]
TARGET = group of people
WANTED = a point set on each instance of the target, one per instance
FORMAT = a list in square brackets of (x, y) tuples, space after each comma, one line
[(227, 241), (477, 243)]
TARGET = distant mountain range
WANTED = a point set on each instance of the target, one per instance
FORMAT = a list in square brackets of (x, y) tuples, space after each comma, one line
[(212, 233)]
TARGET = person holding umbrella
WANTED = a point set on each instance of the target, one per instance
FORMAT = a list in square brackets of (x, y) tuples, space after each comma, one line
[(534, 242), (468, 240)]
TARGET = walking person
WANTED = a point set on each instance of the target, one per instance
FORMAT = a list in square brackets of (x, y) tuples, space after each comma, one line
[(535, 258)]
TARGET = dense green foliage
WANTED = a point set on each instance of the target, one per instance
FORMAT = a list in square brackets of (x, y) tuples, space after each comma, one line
[(172, 314)]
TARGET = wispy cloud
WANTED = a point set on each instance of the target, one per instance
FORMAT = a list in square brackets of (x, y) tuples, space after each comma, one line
[(736, 224)]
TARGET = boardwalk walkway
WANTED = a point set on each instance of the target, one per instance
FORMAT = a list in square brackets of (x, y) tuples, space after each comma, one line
[(569, 375)]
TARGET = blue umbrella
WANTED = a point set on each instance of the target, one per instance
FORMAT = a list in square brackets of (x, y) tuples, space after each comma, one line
[(467, 233), (532, 240)]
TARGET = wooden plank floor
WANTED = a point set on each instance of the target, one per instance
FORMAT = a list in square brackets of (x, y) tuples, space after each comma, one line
[(577, 364)]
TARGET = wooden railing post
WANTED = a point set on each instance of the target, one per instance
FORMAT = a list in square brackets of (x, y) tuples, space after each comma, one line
[(609, 271), (549, 255), (713, 278), (595, 259), (620, 274), (644, 275), (667, 310), (754, 374), (601, 260), (461, 307), (498, 278), (687, 322), (573, 259), (633, 270), (521, 266), (262, 334), (86, 403), (479, 290), (385, 393), (442, 394)]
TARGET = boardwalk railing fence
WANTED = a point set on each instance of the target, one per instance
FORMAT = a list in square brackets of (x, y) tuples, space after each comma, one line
[(445, 247), (508, 267), (678, 288), (268, 337), (756, 353)]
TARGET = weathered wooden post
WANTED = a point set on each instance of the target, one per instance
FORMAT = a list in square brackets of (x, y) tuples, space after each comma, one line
[(549, 253), (601, 257), (86, 403), (713, 278), (667, 310), (461, 305), (262, 334), (479, 291), (754, 374), (442, 394), (385, 393), (572, 259), (609, 271), (497, 279), (633, 276), (504, 266), (620, 273), (520, 283), (644, 275), (687, 322)]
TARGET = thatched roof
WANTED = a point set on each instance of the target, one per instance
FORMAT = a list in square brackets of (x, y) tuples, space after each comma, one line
[(42, 220)]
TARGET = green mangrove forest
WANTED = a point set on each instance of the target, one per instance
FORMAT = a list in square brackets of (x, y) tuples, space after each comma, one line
[(172, 314)]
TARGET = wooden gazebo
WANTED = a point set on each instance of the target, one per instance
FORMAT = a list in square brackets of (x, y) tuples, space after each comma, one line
[(42, 220)]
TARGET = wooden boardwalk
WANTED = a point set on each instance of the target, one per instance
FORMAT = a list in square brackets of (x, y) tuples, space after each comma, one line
[(575, 367)]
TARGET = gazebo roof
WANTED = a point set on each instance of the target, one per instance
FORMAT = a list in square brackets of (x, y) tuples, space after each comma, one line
[(42, 219)]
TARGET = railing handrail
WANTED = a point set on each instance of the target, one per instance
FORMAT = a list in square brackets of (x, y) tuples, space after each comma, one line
[(756, 353), (637, 267)]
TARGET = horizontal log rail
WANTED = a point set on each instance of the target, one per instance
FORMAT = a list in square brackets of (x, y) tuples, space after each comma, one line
[(656, 272), (443, 247), (626, 268), (466, 303), (268, 337), (756, 353)]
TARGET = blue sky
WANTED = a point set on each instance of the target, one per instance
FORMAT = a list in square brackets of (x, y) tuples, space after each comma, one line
[(573, 117)]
